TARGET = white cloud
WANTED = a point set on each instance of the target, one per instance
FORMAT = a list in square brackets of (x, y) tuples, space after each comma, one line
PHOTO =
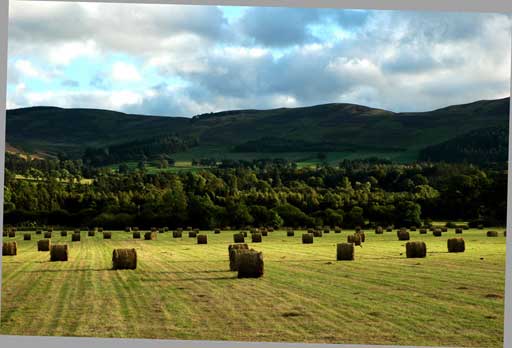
[(123, 72), (27, 69)]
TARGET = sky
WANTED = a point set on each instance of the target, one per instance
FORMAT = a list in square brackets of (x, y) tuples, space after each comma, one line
[(184, 60)]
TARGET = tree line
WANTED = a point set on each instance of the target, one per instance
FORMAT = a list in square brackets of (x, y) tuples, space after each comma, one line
[(257, 193)]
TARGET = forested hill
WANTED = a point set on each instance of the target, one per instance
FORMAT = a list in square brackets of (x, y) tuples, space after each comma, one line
[(109, 136)]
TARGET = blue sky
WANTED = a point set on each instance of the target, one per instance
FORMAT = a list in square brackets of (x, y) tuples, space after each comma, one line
[(180, 60)]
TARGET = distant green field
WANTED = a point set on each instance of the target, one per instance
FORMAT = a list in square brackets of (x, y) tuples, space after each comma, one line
[(183, 290)]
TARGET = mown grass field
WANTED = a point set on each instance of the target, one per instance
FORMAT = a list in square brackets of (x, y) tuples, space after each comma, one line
[(183, 290)]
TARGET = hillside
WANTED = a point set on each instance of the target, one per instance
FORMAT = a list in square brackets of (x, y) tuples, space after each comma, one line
[(332, 128)]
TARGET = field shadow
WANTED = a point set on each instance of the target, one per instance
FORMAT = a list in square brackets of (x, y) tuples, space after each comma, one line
[(191, 272), (70, 270)]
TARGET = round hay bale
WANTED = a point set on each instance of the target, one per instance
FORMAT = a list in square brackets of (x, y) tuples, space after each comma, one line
[(234, 250), (403, 235), (444, 229), (245, 234), (43, 245), (492, 234), (165, 229), (12, 234), (124, 259), (189, 228), (350, 238), (59, 252), (150, 236), (357, 238), (270, 229), (456, 245), (27, 236), (9, 249), (77, 230), (264, 233), (216, 231), (91, 233), (191, 234), (290, 233), (465, 227), (100, 229), (135, 228), (337, 229), (256, 237), (437, 232), (326, 230), (154, 229), (238, 238), (178, 234), (415, 249), (39, 232), (128, 229), (423, 231), (202, 239), (107, 235), (389, 229), (362, 236), (75, 237), (379, 230), (345, 252), (307, 238), (250, 264), (179, 229), (458, 230), (480, 227), (136, 235), (358, 228), (317, 233), (412, 228), (63, 233), (48, 235)]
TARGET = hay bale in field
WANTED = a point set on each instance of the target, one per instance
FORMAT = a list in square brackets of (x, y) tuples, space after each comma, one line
[(150, 235), (256, 237), (216, 231), (63, 233), (92, 233), (270, 229), (49, 229), (358, 228), (307, 238), (345, 252), (458, 230), (189, 228), (264, 233), (238, 238), (128, 229), (178, 234), (423, 231), (415, 249), (9, 249), (350, 238), (202, 239), (100, 229), (39, 232), (136, 235), (48, 235), (245, 234), (250, 264), (389, 229), (290, 233), (357, 238), (492, 234), (403, 235), (412, 228), (362, 236), (154, 229), (27, 236), (326, 230), (337, 229), (43, 245), (77, 230), (437, 232), (379, 230), (456, 245), (317, 233), (465, 227), (234, 250), (75, 237), (480, 227), (444, 229), (107, 235), (124, 259), (59, 252), (135, 228), (5, 234), (179, 229), (12, 234), (192, 234)]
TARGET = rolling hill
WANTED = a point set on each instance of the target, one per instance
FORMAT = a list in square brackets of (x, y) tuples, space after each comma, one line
[(347, 130)]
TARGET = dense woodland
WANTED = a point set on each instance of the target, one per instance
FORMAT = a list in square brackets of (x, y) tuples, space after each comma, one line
[(260, 193)]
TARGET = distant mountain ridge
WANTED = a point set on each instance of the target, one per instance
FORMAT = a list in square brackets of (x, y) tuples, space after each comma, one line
[(334, 127)]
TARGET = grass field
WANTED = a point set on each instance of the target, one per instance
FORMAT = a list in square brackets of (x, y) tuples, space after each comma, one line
[(185, 291)]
